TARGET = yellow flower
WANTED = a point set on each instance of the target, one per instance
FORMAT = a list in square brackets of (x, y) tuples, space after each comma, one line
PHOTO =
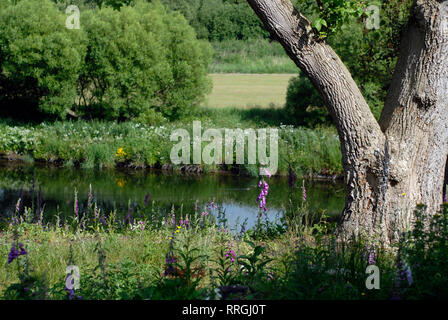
[(404, 194), (363, 294), (120, 153)]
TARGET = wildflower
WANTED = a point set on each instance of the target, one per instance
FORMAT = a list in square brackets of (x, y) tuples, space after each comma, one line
[(263, 194), (267, 173), (71, 294), (120, 153), (213, 205), (22, 249), (18, 205), (170, 260), (230, 253), (372, 254), (185, 222), (15, 253), (404, 273)]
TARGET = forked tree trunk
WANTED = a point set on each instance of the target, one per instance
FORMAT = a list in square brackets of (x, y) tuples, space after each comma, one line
[(392, 166)]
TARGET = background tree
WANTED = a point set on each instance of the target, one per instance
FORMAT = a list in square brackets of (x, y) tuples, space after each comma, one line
[(140, 62), (40, 60), (392, 165), (161, 68)]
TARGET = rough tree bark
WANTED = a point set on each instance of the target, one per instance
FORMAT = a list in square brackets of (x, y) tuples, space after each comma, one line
[(393, 165)]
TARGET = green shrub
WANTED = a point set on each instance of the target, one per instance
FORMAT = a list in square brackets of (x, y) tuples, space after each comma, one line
[(141, 58), (303, 103), (40, 60)]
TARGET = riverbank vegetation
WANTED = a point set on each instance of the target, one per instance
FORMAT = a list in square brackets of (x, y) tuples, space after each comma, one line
[(98, 144), (145, 253)]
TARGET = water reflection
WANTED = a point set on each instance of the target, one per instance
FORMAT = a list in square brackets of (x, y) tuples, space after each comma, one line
[(237, 195)]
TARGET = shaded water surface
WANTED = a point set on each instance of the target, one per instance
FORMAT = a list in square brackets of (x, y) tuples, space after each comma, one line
[(53, 188)]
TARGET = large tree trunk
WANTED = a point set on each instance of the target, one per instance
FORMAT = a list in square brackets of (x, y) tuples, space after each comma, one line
[(392, 166)]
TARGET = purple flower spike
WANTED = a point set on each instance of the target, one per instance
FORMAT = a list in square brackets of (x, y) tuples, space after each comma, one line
[(15, 253), (22, 249), (261, 199)]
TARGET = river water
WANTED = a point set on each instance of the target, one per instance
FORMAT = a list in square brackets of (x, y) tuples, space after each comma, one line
[(236, 195)]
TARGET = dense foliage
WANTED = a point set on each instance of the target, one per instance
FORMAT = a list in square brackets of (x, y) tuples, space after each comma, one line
[(370, 55), (218, 20), (39, 58), (140, 61)]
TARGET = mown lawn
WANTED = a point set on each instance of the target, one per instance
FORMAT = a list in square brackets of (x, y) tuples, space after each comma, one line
[(248, 90)]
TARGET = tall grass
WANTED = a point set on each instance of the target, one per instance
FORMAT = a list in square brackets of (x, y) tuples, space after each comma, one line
[(250, 56), (170, 258)]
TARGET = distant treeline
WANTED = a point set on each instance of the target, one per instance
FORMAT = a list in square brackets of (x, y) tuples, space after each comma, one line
[(213, 20)]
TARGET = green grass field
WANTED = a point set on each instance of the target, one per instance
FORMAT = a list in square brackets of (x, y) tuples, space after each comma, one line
[(248, 90)]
